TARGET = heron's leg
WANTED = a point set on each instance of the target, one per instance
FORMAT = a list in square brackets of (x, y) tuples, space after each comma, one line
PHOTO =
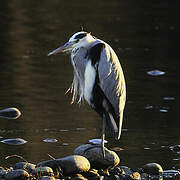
[(103, 135)]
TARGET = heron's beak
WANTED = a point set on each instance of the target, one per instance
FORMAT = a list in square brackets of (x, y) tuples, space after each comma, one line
[(67, 46)]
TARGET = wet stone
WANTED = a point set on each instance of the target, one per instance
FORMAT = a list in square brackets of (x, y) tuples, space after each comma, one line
[(14, 141), (94, 154), (17, 174), (68, 165), (152, 169), (42, 171), (29, 167)]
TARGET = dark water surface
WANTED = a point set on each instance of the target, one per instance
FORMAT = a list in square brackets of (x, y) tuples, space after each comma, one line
[(145, 35)]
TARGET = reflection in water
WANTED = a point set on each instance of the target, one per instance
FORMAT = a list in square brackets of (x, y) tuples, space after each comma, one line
[(143, 34)]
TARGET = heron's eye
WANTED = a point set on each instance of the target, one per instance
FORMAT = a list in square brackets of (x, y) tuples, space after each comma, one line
[(76, 41)]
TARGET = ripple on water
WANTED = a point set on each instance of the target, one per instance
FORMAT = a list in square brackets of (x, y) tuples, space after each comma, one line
[(171, 174), (63, 130), (169, 98), (163, 110), (96, 141), (14, 141), (155, 73), (148, 107), (80, 129), (65, 144), (49, 140)]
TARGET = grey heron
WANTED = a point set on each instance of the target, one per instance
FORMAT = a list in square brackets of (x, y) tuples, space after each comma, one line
[(98, 78)]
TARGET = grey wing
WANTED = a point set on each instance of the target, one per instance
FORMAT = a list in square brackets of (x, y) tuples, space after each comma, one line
[(112, 83)]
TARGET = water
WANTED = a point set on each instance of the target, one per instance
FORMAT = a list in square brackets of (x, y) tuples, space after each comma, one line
[(144, 36)]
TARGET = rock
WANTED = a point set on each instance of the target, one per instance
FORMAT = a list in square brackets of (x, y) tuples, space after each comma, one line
[(94, 154), (152, 169), (26, 166), (15, 141), (17, 174), (69, 165), (42, 171)]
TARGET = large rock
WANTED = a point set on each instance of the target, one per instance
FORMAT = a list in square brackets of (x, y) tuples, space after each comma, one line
[(94, 154), (67, 165)]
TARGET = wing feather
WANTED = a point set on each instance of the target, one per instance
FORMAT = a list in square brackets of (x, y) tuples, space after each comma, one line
[(112, 83)]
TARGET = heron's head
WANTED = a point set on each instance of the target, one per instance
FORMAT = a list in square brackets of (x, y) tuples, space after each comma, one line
[(79, 39)]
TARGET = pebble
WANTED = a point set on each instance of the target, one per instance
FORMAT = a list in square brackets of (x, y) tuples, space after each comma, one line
[(17, 174), (94, 154), (14, 141), (152, 168), (29, 167), (69, 165), (42, 171), (77, 167)]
